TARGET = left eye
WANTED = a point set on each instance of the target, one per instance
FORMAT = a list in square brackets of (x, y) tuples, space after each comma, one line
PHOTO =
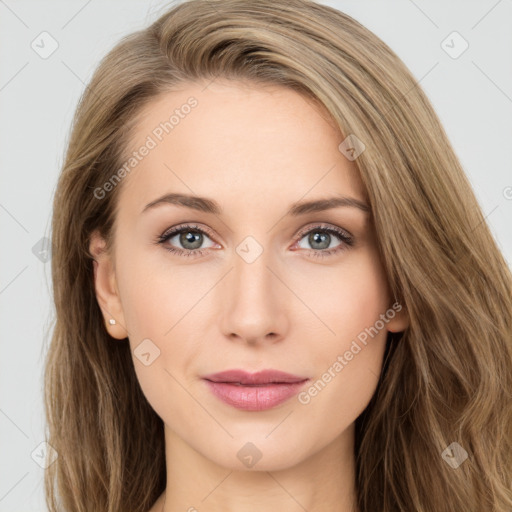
[(321, 238)]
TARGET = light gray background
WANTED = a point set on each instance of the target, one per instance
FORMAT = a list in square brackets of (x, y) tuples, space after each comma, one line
[(472, 95)]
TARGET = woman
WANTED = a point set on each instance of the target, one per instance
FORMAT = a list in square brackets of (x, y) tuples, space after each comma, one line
[(274, 286)]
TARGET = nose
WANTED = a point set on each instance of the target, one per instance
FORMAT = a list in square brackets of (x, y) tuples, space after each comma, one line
[(253, 302)]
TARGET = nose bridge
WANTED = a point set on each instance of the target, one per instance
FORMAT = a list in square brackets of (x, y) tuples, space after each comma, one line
[(251, 308), (252, 278)]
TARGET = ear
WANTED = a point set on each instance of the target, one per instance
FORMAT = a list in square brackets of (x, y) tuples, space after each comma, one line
[(105, 286), (399, 318)]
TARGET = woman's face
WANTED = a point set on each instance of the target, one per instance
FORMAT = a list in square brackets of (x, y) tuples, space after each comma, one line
[(254, 282)]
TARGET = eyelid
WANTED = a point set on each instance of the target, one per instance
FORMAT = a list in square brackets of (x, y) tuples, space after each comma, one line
[(186, 225), (321, 226)]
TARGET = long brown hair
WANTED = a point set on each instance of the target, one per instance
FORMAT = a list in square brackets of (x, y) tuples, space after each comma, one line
[(448, 377)]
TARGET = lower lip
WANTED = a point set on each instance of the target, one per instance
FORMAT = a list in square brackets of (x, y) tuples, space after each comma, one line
[(254, 398)]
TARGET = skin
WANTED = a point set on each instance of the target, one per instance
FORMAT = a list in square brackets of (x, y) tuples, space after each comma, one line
[(255, 150)]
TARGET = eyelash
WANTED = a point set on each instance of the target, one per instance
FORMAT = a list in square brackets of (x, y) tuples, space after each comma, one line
[(346, 239)]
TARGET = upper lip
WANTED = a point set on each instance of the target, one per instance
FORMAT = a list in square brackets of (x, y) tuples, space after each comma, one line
[(262, 377)]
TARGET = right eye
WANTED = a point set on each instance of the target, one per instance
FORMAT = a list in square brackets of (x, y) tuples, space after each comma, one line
[(191, 237)]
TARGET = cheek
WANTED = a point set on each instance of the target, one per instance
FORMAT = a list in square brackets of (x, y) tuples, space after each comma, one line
[(153, 293), (350, 360), (160, 309), (350, 298)]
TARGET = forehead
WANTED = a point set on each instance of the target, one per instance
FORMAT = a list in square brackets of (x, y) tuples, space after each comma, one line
[(236, 139)]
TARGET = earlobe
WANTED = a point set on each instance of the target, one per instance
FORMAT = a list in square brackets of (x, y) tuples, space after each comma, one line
[(399, 322), (106, 289)]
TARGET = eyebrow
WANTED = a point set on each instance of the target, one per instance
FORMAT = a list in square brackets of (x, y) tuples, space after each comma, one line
[(206, 205)]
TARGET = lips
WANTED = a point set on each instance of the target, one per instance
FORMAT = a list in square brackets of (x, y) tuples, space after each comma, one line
[(263, 377), (254, 391)]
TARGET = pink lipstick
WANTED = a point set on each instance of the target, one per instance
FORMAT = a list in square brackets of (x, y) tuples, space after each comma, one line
[(254, 391)]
